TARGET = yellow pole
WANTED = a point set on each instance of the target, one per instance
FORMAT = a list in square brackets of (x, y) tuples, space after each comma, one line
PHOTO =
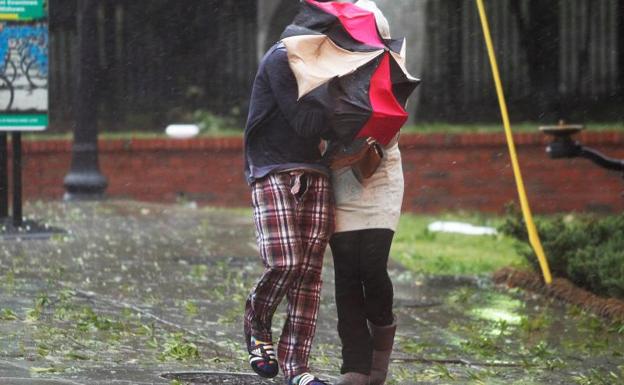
[(524, 202)]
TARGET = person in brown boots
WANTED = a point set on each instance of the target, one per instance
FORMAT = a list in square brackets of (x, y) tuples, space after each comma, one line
[(383, 339), (366, 216)]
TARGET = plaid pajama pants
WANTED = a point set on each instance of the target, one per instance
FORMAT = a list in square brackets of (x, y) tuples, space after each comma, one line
[(294, 217)]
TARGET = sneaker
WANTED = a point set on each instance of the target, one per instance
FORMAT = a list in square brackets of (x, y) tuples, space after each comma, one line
[(306, 379), (262, 358)]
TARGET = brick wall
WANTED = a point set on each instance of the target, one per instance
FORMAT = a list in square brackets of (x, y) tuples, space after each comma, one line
[(473, 172), (442, 172)]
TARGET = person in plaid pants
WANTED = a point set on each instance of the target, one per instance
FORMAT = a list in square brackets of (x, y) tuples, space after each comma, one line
[(294, 218)]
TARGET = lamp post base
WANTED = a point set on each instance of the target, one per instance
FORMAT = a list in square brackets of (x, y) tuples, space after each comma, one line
[(85, 186)]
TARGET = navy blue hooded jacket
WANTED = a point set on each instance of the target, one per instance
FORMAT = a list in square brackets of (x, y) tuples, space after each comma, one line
[(281, 133)]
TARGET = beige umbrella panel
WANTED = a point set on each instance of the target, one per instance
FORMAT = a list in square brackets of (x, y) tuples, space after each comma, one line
[(316, 59)]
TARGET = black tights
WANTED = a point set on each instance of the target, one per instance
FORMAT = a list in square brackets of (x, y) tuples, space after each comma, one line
[(363, 292)]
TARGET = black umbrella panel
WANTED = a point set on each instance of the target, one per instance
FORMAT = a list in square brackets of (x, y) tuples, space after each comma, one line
[(337, 54)]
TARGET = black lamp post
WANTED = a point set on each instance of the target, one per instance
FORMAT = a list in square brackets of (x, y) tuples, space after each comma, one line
[(84, 180), (563, 146)]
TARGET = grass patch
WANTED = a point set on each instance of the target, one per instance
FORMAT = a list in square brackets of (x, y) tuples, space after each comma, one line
[(442, 253)]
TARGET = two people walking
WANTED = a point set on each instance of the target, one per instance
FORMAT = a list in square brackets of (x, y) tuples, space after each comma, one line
[(300, 206)]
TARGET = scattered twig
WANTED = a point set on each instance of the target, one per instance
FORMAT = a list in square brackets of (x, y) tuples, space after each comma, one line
[(75, 341), (125, 305), (458, 361)]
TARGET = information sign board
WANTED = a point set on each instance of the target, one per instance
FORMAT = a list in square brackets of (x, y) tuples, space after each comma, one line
[(24, 56)]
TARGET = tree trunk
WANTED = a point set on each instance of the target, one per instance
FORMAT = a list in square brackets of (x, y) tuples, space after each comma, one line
[(544, 58), (539, 31), (455, 59), (283, 16), (620, 19), (108, 75)]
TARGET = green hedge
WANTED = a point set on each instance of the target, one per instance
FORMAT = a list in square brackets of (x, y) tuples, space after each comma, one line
[(589, 251)]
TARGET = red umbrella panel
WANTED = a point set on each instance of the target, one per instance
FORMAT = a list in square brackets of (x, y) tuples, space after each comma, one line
[(349, 26), (340, 60)]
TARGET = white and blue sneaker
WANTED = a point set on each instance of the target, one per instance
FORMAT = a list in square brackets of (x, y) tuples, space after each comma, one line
[(262, 358), (306, 379)]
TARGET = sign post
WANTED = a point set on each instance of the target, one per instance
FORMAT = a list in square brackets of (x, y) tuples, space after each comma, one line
[(23, 94)]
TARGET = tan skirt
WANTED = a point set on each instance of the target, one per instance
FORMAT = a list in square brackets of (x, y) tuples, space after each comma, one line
[(375, 203)]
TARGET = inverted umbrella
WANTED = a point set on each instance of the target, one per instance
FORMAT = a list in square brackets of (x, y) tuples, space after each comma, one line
[(339, 58)]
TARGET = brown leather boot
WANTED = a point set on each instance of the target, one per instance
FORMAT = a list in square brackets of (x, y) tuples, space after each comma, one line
[(353, 378), (383, 339)]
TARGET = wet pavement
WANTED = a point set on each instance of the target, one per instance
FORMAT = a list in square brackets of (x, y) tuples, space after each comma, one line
[(139, 293)]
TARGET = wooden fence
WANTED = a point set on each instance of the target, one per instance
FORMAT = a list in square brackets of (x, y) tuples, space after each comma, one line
[(159, 59), (582, 65)]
